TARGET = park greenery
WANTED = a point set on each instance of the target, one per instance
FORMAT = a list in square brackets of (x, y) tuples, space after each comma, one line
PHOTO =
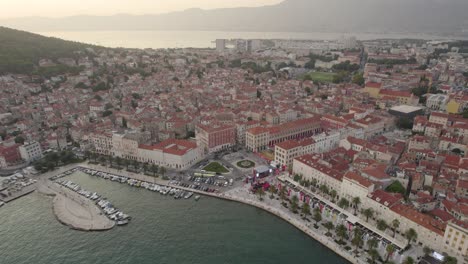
[(396, 187), (55, 159), (216, 167)]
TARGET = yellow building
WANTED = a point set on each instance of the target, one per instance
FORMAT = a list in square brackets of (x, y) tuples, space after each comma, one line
[(455, 240), (373, 89), (454, 107)]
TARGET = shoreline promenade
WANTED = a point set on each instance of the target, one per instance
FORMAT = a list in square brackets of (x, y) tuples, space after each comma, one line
[(232, 196)]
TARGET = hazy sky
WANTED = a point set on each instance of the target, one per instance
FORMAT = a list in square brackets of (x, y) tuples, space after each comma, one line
[(59, 8)]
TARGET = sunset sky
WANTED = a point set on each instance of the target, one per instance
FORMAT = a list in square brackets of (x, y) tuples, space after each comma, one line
[(60, 8)]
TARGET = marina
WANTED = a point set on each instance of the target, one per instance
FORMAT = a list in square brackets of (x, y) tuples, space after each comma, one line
[(110, 211)]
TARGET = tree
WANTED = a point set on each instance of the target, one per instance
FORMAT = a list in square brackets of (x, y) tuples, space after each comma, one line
[(317, 216), (145, 167), (411, 235), (272, 189), (374, 255), (102, 159), (357, 238), (382, 225), (343, 203), (260, 192), (356, 202), (333, 194), (427, 250), (118, 161), (341, 232), (136, 165), (449, 260), (324, 189), (358, 79), (328, 226), (162, 170), (294, 203), (306, 209), (126, 163), (259, 94), (368, 213), (19, 140), (282, 193), (154, 169), (111, 159), (372, 243), (395, 225), (408, 260), (390, 249)]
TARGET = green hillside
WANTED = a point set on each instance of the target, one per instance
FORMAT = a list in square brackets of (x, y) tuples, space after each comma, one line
[(21, 51)]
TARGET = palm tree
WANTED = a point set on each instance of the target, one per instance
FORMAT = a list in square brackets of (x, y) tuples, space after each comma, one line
[(343, 203), (154, 169), (136, 165), (333, 195), (390, 249), (306, 209), (372, 243), (317, 216), (126, 163), (294, 203), (356, 202), (427, 250), (368, 213), (283, 193), (87, 154), (314, 182), (341, 232), (118, 161), (373, 254), (272, 189), (260, 192), (102, 159), (324, 189), (408, 260), (328, 226), (357, 239), (411, 235), (395, 224), (382, 225), (162, 170)]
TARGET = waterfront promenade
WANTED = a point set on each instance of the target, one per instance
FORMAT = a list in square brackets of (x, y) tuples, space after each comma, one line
[(241, 195)]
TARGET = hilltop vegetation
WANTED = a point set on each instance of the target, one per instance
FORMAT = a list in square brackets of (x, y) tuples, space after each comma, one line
[(20, 51)]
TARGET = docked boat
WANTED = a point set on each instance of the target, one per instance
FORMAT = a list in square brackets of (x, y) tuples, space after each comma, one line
[(122, 222), (188, 195), (197, 197), (2, 204)]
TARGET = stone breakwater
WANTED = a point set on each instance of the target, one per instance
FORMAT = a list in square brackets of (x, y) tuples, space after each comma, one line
[(77, 212)]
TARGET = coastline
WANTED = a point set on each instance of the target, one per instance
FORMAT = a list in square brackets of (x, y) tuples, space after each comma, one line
[(325, 241)]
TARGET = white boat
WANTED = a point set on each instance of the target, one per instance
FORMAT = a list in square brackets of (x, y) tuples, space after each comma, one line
[(2, 204)]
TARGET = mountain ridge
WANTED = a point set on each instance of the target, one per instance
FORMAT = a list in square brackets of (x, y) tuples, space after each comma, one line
[(425, 16)]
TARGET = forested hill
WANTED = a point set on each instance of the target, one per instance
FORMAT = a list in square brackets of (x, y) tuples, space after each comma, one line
[(20, 51)]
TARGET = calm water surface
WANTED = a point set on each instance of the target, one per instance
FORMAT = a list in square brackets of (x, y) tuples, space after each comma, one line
[(163, 230), (202, 39)]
